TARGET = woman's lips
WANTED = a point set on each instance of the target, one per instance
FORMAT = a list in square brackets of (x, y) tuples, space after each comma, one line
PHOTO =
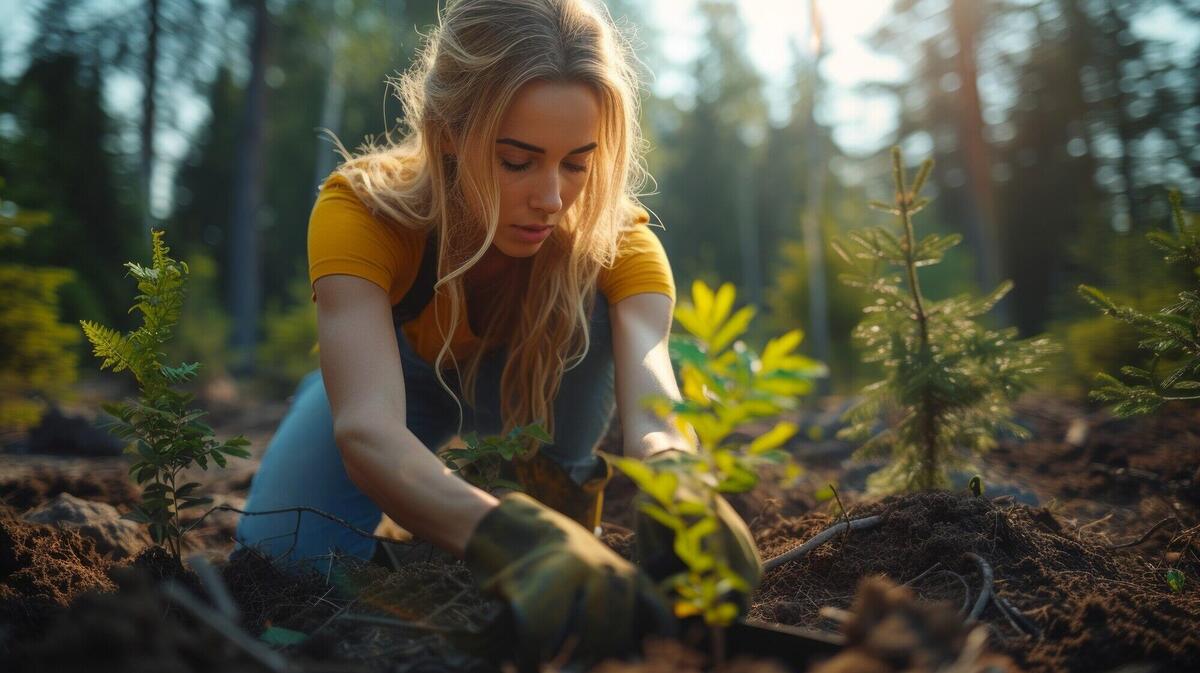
[(533, 233)]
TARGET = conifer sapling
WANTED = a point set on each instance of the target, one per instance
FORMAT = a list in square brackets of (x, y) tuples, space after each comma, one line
[(1172, 334), (950, 378)]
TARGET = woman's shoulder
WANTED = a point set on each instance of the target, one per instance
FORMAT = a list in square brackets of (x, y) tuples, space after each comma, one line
[(347, 236), (641, 263)]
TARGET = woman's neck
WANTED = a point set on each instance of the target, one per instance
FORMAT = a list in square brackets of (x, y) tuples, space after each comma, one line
[(491, 266)]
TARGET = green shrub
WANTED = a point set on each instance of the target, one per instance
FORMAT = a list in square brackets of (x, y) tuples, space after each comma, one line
[(165, 436), (950, 379), (725, 385), (37, 352), (1171, 334)]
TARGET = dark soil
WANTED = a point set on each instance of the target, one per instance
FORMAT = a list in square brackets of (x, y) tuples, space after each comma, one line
[(63, 607), (1097, 609), (42, 569)]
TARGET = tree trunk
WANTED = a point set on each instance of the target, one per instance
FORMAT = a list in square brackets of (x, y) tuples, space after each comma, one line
[(966, 18), (814, 243), (149, 94), (245, 287)]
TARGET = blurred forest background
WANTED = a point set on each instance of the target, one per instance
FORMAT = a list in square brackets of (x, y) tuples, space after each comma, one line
[(1057, 128)]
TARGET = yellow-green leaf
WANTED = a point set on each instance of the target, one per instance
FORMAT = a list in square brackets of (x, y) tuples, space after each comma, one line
[(773, 438), (773, 355), (731, 330), (722, 304)]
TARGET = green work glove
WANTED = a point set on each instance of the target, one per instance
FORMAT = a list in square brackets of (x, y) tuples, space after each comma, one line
[(564, 587), (655, 548)]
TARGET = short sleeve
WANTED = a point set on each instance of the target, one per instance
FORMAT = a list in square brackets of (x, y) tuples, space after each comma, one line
[(641, 266), (345, 237)]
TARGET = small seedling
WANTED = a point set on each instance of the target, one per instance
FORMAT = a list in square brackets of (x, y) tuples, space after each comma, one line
[(725, 385), (482, 463), (1175, 580), (166, 437)]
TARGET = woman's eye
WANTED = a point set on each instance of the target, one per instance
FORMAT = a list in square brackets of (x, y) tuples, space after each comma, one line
[(515, 168), (575, 168)]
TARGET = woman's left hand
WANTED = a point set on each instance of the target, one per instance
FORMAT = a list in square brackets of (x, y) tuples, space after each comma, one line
[(735, 547)]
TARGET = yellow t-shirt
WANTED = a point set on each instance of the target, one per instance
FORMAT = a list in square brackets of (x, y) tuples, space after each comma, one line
[(344, 237)]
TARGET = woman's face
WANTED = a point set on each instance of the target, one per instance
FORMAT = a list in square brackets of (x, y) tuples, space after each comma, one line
[(543, 157)]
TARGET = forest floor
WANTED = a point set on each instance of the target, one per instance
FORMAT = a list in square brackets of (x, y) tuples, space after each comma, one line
[(1054, 527)]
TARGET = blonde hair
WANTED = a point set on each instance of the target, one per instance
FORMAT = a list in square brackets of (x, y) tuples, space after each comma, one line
[(454, 95)]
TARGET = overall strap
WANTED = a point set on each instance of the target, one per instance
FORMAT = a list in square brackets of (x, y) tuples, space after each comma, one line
[(418, 296)]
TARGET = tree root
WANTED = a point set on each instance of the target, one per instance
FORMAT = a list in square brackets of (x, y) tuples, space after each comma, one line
[(985, 569), (820, 539), (1144, 536)]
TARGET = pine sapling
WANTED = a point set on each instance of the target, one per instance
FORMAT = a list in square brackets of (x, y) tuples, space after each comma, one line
[(950, 378), (1171, 334), (166, 437)]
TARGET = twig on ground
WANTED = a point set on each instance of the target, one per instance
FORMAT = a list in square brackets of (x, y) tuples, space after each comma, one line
[(821, 538), (297, 511), (985, 569), (916, 579), (273, 660), (1101, 520), (962, 611), (1145, 536)]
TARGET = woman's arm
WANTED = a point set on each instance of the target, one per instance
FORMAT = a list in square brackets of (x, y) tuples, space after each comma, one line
[(360, 363), (641, 325)]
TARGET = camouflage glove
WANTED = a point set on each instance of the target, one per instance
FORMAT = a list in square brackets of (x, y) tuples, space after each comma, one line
[(655, 548), (563, 584)]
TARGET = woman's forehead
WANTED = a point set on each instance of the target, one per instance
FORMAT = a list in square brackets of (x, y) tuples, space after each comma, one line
[(555, 117)]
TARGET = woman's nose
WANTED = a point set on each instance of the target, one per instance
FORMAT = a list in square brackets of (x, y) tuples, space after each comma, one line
[(547, 196)]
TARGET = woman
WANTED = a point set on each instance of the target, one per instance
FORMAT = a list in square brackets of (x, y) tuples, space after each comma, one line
[(552, 302)]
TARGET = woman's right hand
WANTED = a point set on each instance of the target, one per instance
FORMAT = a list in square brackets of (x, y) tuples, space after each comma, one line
[(567, 591)]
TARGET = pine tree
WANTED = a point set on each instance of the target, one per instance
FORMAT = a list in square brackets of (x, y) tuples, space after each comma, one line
[(1171, 334), (950, 378)]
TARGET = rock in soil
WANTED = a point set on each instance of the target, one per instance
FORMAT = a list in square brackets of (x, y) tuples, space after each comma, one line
[(100, 522)]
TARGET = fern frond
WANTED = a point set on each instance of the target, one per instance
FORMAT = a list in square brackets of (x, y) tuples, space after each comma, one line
[(117, 352)]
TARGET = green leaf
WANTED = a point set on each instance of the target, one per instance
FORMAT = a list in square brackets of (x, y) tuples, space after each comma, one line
[(196, 502), (662, 516), (1175, 580), (539, 433), (731, 330), (773, 438)]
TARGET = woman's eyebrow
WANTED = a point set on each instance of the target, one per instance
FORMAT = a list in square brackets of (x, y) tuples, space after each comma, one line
[(534, 148)]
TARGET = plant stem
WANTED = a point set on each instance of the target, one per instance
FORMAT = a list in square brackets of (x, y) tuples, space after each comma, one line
[(926, 478)]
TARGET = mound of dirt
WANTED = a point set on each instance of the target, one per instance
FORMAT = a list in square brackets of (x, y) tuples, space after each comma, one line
[(1096, 609)]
